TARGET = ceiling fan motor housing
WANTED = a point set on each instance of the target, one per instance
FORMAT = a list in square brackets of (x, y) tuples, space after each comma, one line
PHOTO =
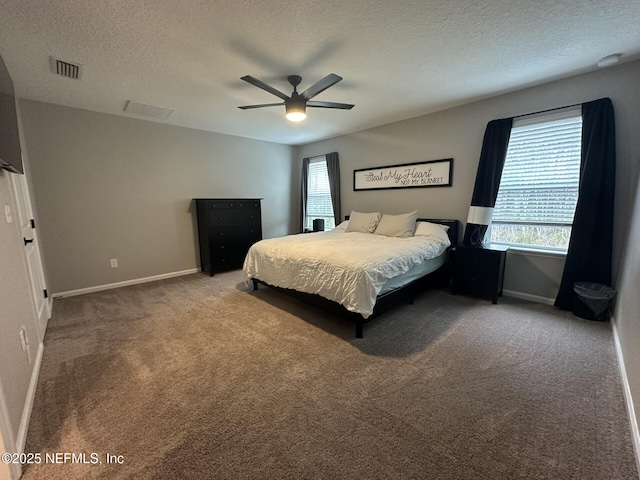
[(296, 101), (294, 80)]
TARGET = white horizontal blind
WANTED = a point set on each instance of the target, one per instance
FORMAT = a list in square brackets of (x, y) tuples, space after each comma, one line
[(319, 205), (539, 185)]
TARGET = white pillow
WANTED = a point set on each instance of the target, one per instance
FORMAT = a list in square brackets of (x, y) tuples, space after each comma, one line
[(402, 225), (427, 229), (363, 222), (342, 226)]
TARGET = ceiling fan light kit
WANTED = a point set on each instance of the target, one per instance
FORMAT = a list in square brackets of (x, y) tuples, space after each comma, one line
[(296, 111), (296, 104)]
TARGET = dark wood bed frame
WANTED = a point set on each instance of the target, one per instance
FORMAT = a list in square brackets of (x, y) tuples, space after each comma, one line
[(385, 301)]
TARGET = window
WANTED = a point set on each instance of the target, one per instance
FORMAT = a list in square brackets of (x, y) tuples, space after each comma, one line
[(319, 205), (539, 184)]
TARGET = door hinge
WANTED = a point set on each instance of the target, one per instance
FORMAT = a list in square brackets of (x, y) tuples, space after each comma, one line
[(33, 223), (45, 293)]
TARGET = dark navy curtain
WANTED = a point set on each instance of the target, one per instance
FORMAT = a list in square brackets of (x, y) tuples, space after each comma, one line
[(591, 243), (303, 193), (333, 169), (492, 157)]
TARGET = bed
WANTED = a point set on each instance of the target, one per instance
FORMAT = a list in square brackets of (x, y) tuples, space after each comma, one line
[(357, 275)]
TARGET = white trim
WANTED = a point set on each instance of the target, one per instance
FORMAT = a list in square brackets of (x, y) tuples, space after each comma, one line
[(28, 406), (635, 431), (532, 252), (126, 283), (7, 442), (529, 297)]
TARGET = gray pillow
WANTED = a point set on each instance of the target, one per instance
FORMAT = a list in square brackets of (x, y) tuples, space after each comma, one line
[(402, 225), (363, 222)]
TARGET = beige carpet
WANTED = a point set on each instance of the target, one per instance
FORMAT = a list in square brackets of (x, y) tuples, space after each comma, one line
[(197, 378)]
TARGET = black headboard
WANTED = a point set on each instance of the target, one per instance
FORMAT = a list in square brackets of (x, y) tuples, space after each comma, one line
[(454, 227)]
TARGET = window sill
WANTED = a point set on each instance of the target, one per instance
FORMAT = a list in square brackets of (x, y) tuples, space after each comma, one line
[(533, 252)]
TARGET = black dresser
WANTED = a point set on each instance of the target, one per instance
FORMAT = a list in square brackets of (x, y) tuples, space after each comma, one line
[(227, 227)]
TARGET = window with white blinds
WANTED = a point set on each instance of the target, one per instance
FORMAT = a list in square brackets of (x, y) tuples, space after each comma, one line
[(319, 205), (539, 184)]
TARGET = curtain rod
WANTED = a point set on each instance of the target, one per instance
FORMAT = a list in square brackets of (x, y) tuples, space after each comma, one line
[(548, 110)]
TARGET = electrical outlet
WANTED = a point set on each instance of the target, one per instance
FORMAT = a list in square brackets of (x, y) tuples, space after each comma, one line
[(24, 340), (7, 212), (114, 262)]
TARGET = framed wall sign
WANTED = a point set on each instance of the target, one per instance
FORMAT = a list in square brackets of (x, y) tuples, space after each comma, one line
[(434, 173)]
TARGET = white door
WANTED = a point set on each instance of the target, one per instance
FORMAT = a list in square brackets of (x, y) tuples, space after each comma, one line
[(31, 252)]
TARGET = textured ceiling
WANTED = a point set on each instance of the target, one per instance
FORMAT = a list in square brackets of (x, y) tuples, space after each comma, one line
[(399, 59)]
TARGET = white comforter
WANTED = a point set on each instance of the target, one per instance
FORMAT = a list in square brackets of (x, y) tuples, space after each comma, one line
[(349, 268)]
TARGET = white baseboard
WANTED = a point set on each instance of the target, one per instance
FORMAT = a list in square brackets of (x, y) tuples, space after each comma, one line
[(28, 406), (126, 283), (635, 431), (529, 297)]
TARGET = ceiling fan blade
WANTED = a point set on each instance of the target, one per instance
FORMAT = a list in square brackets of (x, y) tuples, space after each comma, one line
[(342, 106), (264, 86), (247, 107), (321, 86)]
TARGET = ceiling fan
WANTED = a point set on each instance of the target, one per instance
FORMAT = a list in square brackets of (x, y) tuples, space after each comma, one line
[(295, 105)]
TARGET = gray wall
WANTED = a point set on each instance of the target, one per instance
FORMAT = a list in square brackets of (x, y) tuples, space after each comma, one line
[(627, 312), (458, 133), (114, 187)]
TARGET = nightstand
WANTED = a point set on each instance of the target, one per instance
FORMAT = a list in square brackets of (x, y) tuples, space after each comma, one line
[(479, 271)]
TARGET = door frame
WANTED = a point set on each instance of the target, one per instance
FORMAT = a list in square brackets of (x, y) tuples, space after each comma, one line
[(12, 471)]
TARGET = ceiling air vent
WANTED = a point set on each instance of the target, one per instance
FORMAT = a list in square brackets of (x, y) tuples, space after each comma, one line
[(147, 110), (66, 69)]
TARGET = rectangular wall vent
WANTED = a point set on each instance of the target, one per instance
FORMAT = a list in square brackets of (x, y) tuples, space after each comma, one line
[(66, 69), (147, 110)]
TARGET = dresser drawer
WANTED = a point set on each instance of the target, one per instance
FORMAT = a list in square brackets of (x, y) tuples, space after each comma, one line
[(234, 217), (229, 234), (221, 204), (239, 204)]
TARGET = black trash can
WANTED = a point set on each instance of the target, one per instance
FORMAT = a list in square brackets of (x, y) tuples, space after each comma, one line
[(593, 301)]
